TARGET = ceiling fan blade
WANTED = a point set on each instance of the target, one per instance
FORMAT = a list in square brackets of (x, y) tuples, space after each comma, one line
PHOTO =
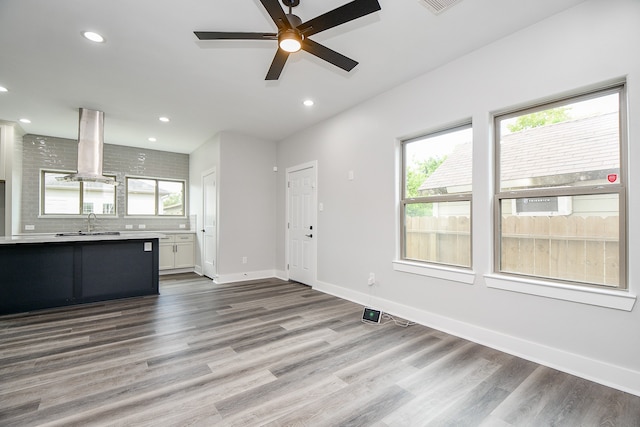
[(218, 35), (277, 14), (277, 65), (328, 55), (350, 11)]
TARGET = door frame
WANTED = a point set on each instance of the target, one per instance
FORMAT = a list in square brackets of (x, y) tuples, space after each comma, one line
[(201, 227), (314, 206)]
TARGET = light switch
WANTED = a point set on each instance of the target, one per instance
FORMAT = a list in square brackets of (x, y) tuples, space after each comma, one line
[(321, 206)]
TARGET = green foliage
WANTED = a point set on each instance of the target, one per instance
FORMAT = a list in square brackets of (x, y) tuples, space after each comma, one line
[(540, 118), (172, 200), (417, 173)]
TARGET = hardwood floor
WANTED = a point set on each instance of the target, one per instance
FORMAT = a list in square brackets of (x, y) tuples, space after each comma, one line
[(272, 353)]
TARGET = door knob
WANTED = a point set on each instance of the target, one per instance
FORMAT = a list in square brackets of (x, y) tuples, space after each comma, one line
[(309, 235)]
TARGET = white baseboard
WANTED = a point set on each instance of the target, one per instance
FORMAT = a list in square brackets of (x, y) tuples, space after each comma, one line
[(198, 269), (594, 370), (282, 275), (243, 277), (177, 270)]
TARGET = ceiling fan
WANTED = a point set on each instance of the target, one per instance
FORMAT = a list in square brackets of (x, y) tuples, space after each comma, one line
[(293, 34)]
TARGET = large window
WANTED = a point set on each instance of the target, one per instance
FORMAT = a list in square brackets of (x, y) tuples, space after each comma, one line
[(75, 198), (436, 197), (151, 197), (560, 190)]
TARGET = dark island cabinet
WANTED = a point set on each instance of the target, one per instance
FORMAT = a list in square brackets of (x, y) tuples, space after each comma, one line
[(43, 275)]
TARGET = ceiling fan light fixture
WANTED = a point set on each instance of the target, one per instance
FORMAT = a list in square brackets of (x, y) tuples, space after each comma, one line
[(290, 41)]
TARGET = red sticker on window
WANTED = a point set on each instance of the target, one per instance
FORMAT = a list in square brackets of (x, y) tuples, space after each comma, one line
[(612, 177)]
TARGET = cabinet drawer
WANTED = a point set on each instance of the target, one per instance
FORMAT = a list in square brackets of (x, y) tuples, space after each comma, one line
[(183, 238), (168, 238)]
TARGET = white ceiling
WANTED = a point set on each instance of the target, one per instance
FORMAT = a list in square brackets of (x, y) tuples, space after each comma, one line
[(152, 65)]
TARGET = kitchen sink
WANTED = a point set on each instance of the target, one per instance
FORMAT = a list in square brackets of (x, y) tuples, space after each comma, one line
[(89, 233)]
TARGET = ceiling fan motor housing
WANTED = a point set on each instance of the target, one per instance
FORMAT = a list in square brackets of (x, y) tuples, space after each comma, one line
[(294, 20)]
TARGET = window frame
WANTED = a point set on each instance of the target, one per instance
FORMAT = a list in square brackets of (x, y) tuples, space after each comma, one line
[(42, 211), (619, 188), (156, 213), (411, 264)]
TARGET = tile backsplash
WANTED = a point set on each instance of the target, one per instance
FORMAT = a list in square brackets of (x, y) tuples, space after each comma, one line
[(51, 153)]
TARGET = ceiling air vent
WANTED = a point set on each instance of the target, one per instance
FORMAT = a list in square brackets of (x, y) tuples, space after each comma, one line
[(439, 6)]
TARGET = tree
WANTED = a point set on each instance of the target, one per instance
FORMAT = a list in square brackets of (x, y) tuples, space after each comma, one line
[(417, 173), (172, 199), (540, 118)]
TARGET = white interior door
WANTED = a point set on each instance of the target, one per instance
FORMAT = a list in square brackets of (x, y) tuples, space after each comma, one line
[(209, 220), (301, 223)]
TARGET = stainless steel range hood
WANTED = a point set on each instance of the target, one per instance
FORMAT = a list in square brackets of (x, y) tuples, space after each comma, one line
[(90, 149)]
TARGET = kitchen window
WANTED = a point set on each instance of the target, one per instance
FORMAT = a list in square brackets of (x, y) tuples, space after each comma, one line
[(155, 197), (561, 190), (436, 198), (75, 198)]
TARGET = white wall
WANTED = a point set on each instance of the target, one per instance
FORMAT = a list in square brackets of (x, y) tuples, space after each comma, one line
[(246, 186), (11, 171), (595, 42), (203, 159)]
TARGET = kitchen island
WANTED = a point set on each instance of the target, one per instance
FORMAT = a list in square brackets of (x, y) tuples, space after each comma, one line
[(44, 271)]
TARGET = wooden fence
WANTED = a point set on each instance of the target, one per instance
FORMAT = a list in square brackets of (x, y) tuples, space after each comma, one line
[(582, 249), (444, 240)]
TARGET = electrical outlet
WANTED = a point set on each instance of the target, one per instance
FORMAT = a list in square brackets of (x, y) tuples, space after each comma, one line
[(244, 259), (128, 226), (372, 279)]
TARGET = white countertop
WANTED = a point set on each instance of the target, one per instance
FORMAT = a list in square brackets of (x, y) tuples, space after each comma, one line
[(52, 238)]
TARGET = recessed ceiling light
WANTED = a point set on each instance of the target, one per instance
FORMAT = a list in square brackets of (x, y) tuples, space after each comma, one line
[(308, 103), (94, 37), (25, 120), (3, 89), (152, 139), (164, 119)]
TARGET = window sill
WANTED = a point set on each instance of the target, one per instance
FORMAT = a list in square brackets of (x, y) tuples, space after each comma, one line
[(441, 272), (75, 216), (608, 298)]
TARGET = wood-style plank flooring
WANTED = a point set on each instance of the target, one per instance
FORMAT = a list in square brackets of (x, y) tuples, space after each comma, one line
[(272, 353)]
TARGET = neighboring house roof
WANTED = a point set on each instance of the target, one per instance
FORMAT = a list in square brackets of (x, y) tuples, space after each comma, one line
[(454, 171), (540, 152)]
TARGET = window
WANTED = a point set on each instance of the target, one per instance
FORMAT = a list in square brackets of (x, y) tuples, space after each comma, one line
[(75, 198), (436, 197), (150, 196), (560, 190)]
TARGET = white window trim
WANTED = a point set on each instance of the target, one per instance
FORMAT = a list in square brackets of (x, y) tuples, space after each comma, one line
[(429, 268), (608, 298), (41, 201), (458, 275), (156, 215), (553, 289)]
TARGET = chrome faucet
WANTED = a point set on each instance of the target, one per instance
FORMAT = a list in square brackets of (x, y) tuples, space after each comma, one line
[(89, 225)]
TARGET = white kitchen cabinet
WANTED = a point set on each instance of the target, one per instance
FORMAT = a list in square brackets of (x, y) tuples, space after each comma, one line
[(177, 251)]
